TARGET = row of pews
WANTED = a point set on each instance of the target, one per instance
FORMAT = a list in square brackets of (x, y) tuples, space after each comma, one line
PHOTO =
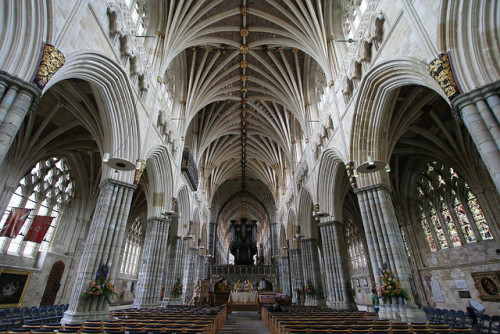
[(311, 319), (171, 320)]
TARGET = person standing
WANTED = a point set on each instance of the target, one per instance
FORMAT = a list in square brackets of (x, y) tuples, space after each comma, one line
[(375, 300)]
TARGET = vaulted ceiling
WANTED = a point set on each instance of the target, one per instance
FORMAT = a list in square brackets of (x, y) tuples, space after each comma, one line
[(250, 73)]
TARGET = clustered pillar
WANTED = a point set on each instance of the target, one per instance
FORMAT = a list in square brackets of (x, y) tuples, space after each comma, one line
[(336, 272), (296, 269), (175, 264), (150, 278), (104, 245), (480, 111), (385, 247), (17, 98), (312, 274)]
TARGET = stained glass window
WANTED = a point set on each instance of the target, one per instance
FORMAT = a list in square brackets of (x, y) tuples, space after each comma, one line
[(427, 231), (448, 208), (355, 248)]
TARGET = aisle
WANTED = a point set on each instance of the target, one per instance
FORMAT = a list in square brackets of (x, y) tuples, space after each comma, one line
[(244, 322)]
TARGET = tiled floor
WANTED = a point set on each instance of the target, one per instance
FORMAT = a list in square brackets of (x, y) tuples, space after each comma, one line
[(244, 322)]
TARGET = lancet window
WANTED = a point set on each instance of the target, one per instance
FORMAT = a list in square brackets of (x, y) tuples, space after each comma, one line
[(450, 213)]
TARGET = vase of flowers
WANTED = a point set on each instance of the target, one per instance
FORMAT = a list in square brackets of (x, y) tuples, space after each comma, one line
[(390, 286), (177, 289), (309, 289), (100, 287)]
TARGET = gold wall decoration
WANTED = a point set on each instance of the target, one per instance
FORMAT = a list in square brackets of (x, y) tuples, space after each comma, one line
[(51, 61), (280, 49), (440, 70), (244, 31), (209, 48), (295, 50), (244, 89), (244, 63), (244, 78), (140, 171), (349, 168), (488, 284)]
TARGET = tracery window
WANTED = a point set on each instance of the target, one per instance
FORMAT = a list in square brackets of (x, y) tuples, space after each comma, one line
[(133, 248), (355, 247), (138, 15), (353, 12), (47, 190), (450, 214)]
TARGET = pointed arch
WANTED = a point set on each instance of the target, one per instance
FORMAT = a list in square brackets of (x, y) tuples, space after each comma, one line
[(369, 131), (116, 104)]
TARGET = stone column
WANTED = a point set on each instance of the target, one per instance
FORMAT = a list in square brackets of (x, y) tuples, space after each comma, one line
[(17, 98), (312, 274), (336, 271), (104, 245), (385, 246), (211, 239), (285, 275), (189, 274), (297, 271), (480, 111), (150, 278), (174, 270), (274, 240)]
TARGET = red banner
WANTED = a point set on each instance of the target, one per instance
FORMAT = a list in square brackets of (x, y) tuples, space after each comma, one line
[(17, 217), (38, 228)]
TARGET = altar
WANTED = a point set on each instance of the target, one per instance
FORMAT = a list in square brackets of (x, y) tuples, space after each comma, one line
[(250, 297)]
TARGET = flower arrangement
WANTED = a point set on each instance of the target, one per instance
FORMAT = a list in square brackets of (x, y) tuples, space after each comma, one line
[(390, 286), (309, 289), (177, 289), (100, 286)]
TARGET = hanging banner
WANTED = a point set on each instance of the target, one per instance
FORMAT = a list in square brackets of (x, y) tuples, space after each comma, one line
[(38, 228), (17, 217)]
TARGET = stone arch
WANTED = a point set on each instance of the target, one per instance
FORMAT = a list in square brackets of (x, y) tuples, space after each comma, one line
[(306, 221), (183, 211), (116, 104), (331, 184), (368, 130), (159, 172), (468, 30), (23, 58)]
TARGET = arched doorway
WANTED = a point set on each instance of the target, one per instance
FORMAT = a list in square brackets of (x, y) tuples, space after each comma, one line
[(53, 284)]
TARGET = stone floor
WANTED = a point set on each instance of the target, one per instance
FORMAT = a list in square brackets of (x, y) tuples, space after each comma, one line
[(244, 322)]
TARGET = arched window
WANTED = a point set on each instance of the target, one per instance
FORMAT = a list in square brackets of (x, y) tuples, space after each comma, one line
[(355, 247), (47, 190), (133, 248), (449, 213)]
